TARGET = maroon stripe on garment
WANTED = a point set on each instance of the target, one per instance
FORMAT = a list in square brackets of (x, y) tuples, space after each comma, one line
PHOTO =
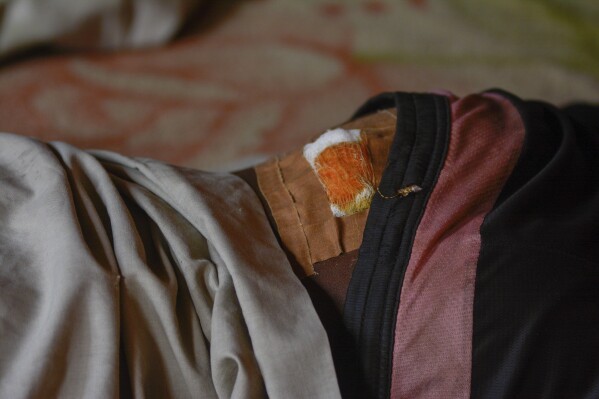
[(433, 338)]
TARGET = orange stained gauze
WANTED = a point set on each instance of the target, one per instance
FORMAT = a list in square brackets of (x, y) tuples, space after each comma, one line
[(341, 160)]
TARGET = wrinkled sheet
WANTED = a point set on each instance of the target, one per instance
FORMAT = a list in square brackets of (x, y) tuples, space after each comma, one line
[(107, 24), (132, 277)]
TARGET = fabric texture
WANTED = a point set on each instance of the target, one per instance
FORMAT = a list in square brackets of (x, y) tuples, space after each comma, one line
[(416, 156), (246, 80), (535, 320), (128, 276), (309, 230), (434, 318), (484, 284), (107, 24)]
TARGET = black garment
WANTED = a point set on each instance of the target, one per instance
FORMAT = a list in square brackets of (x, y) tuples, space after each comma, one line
[(536, 302)]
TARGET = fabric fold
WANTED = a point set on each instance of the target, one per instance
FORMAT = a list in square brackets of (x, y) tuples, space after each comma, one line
[(132, 276)]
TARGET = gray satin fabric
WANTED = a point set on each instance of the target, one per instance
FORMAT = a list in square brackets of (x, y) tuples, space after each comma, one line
[(131, 277)]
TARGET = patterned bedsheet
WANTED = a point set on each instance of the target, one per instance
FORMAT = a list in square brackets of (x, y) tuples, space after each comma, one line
[(254, 78)]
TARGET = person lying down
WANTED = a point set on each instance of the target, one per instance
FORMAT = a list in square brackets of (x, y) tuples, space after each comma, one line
[(432, 246)]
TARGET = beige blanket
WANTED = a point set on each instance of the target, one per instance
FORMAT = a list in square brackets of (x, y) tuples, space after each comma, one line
[(132, 277)]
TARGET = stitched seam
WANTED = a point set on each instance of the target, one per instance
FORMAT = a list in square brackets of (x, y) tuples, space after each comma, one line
[(402, 237), (384, 228), (401, 119), (299, 220), (442, 124)]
